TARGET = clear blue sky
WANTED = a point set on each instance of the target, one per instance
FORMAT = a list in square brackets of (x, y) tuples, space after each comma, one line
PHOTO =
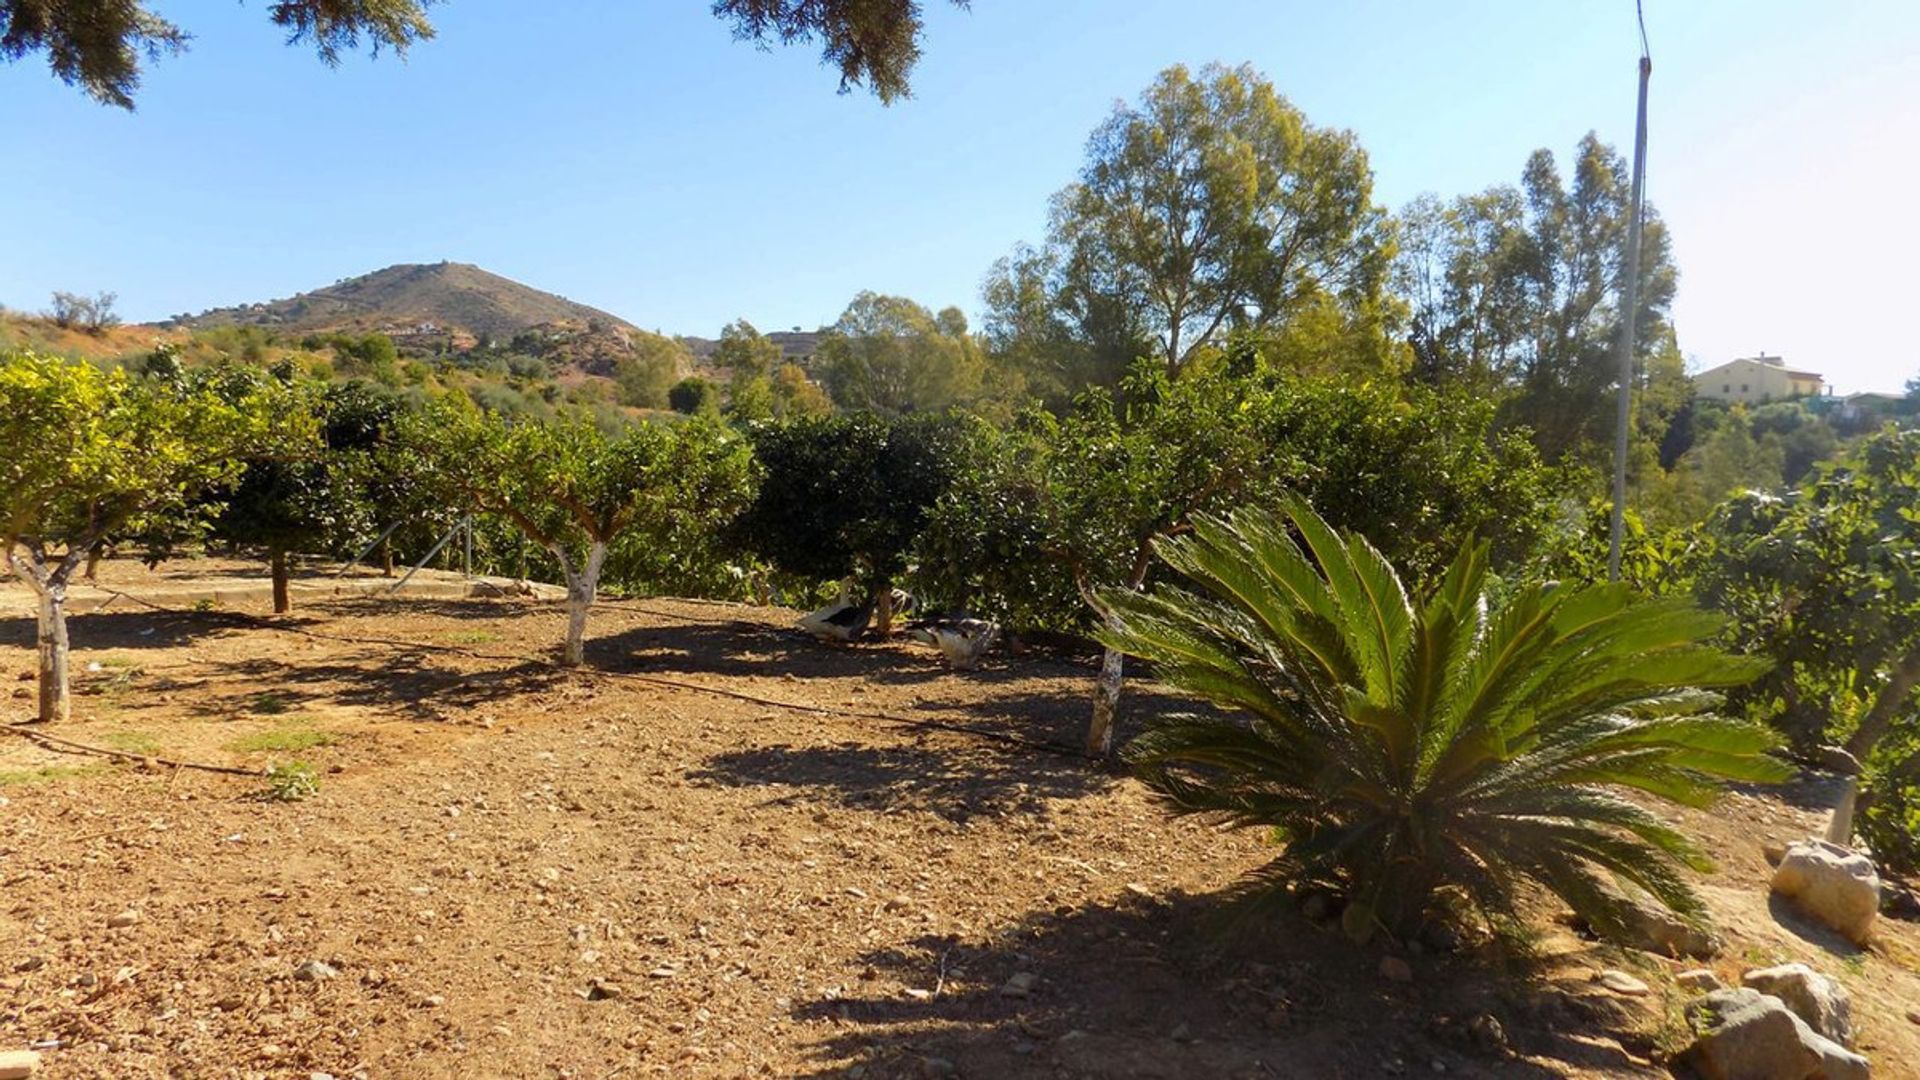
[(631, 156)]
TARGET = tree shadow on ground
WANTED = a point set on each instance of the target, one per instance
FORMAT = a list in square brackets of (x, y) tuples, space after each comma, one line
[(411, 683), (956, 782), (382, 606), (1810, 789), (1149, 989), (740, 648), (128, 629)]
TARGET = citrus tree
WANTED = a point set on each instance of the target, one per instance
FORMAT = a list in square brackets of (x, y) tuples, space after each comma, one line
[(1826, 581), (1397, 743), (846, 496), (92, 454), (571, 487)]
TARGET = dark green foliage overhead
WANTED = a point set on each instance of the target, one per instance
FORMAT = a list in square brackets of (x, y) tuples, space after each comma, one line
[(98, 45), (1398, 742), (845, 496), (874, 43)]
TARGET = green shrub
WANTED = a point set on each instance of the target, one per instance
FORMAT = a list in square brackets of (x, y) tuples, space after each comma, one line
[(1400, 745), (694, 395), (291, 781)]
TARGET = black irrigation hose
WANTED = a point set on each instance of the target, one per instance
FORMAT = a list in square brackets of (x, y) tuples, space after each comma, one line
[(52, 742), (1041, 745)]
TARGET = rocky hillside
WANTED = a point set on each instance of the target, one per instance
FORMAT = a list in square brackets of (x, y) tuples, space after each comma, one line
[(415, 299)]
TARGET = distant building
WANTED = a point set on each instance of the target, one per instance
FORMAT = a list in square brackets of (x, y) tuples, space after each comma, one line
[(1868, 406), (1756, 379)]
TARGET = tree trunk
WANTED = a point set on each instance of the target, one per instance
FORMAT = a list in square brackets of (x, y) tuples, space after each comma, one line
[(1886, 707), (386, 557), (93, 560), (883, 611), (581, 587), (55, 702), (1106, 703), (277, 561), (50, 590), (1106, 689)]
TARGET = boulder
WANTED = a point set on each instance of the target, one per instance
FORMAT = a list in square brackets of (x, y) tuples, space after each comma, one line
[(1823, 1003), (1652, 927), (1747, 1035), (18, 1064), (1833, 884)]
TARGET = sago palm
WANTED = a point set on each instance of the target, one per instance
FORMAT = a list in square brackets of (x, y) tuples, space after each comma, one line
[(1398, 744)]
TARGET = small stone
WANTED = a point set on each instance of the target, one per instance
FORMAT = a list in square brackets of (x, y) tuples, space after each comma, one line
[(432, 1001), (1621, 983), (315, 971), (1773, 851), (1139, 890), (31, 963), (1182, 1033), (856, 892), (1699, 980), (320, 1076), (1913, 1016), (1020, 985), (1394, 969), (935, 1066), (18, 1064), (604, 991), (123, 920), (664, 971), (899, 903), (918, 994)]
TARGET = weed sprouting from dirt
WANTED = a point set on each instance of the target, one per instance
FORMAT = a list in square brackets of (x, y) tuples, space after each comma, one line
[(291, 781), (43, 774), (270, 704), (133, 742)]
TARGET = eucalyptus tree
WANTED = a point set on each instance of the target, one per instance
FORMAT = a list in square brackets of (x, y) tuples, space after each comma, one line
[(1210, 205), (92, 454)]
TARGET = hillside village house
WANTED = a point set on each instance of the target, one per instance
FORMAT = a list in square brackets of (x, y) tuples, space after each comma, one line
[(1756, 379)]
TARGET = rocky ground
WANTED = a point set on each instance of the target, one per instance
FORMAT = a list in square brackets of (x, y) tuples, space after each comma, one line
[(511, 871)]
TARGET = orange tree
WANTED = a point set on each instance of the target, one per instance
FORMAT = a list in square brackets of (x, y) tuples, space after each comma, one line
[(92, 454)]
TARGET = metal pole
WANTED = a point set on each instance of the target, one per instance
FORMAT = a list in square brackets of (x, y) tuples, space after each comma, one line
[(365, 551), (1630, 317), (451, 533)]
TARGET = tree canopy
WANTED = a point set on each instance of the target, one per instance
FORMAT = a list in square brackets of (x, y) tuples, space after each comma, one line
[(100, 45), (1210, 205)]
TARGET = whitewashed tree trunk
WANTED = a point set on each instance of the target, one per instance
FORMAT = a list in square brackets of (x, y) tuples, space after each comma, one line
[(1106, 688), (1106, 702), (883, 612), (50, 589), (582, 585)]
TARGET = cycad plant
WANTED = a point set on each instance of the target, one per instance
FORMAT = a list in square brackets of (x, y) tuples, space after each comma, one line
[(1397, 745)]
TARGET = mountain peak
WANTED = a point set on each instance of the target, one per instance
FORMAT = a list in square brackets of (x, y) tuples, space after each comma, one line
[(408, 297)]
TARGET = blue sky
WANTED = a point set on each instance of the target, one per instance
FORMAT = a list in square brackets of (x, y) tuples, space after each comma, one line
[(631, 156)]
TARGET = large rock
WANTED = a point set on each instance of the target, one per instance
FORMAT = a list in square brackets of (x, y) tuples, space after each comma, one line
[(1747, 1035), (1833, 884), (1651, 926), (1823, 1003)]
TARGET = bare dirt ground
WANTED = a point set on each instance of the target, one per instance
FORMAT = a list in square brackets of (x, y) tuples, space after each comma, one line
[(511, 871)]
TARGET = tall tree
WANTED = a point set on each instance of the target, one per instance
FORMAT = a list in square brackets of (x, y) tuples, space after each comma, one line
[(92, 454), (890, 355), (1211, 204), (1521, 286), (98, 45)]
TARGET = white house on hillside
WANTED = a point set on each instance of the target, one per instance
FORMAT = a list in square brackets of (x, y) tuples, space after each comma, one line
[(1757, 379)]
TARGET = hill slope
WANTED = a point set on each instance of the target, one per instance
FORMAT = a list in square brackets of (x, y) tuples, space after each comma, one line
[(407, 298)]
